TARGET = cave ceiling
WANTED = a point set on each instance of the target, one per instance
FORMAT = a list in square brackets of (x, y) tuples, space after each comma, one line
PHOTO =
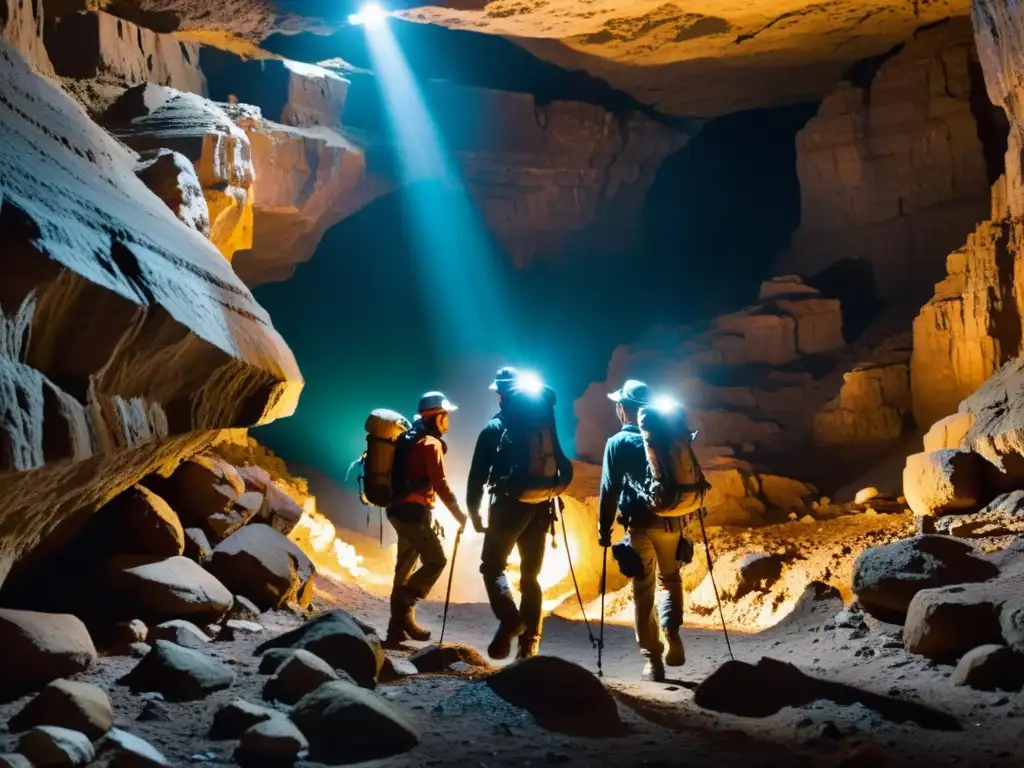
[(698, 58)]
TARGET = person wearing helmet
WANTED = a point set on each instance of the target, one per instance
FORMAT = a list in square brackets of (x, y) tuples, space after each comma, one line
[(419, 479), (516, 517), (650, 556)]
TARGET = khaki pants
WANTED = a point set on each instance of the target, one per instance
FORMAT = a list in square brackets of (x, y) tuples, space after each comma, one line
[(656, 545)]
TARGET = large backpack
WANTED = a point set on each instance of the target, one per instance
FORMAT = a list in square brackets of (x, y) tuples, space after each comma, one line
[(534, 469), (675, 485), (384, 430)]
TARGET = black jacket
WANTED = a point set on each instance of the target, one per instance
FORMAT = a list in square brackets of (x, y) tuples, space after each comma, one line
[(623, 471)]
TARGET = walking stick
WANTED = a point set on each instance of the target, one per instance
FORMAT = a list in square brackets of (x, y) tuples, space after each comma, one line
[(711, 573), (448, 594), (600, 639)]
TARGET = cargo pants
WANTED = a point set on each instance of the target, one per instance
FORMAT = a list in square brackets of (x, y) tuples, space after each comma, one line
[(416, 541), (657, 542), (515, 524)]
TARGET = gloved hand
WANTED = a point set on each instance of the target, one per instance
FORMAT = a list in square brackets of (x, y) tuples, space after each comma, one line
[(604, 539)]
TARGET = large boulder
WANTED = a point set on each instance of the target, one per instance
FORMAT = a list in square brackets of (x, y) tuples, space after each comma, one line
[(335, 637), (79, 707), (177, 673), (138, 522), (40, 647), (886, 578), (942, 482), (299, 674), (948, 432), (170, 588), (1011, 623), (209, 494), (263, 565), (114, 293), (179, 632), (559, 694), (346, 723), (989, 667), (946, 622), (998, 429)]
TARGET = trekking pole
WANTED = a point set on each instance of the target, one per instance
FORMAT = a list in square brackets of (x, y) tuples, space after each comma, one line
[(560, 507), (448, 594), (600, 641), (711, 573)]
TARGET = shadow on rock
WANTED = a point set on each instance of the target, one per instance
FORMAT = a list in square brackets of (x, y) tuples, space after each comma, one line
[(562, 697), (760, 690)]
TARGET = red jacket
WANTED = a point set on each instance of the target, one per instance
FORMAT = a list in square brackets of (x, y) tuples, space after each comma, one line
[(426, 463)]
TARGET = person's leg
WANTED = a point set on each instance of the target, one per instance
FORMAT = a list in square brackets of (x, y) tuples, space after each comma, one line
[(428, 549), (670, 610), (531, 558), (645, 623), (503, 529), (405, 560)]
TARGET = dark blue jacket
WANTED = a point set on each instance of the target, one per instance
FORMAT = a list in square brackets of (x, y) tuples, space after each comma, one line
[(624, 470)]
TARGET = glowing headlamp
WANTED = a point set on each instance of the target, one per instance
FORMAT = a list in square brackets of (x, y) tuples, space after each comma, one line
[(530, 383), (370, 15), (665, 405)]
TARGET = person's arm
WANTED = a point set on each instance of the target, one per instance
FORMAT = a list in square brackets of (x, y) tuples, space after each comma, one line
[(479, 472), (608, 498), (439, 481)]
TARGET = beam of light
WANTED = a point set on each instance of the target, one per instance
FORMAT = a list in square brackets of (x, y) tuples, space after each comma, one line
[(370, 15), (453, 252)]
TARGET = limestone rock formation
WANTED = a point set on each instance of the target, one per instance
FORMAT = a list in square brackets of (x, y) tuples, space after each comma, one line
[(989, 667), (947, 622), (942, 482), (90, 406), (88, 45), (766, 407), (172, 177), (263, 565), (307, 180), (997, 432), (874, 401), (153, 117), (175, 586), (892, 172), (22, 25)]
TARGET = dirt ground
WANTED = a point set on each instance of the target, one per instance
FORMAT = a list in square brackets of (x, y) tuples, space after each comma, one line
[(463, 723)]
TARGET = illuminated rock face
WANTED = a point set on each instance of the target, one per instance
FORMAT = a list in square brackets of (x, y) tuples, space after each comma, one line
[(127, 341), (153, 117), (892, 173), (704, 57), (739, 375), (973, 323)]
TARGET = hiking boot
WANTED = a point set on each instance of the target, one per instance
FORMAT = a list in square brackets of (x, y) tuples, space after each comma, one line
[(654, 670), (528, 647), (675, 656), (501, 645), (411, 628)]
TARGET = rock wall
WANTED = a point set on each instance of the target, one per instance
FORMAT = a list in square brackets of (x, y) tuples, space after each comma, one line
[(98, 45), (126, 341), (893, 174), (553, 177), (973, 323), (21, 24)]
